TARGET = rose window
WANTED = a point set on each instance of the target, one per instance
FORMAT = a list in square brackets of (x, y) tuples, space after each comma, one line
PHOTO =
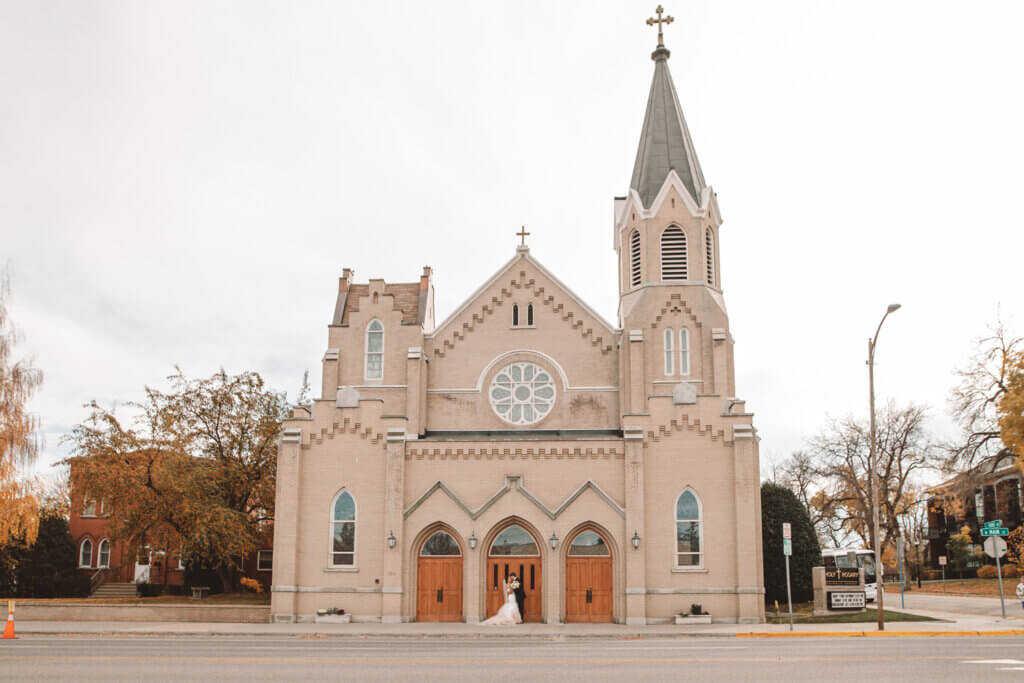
[(522, 393)]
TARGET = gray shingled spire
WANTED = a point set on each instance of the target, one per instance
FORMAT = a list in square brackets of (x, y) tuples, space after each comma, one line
[(665, 142)]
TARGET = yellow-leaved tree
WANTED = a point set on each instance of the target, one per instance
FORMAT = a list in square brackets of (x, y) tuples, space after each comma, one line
[(1011, 407), (19, 433)]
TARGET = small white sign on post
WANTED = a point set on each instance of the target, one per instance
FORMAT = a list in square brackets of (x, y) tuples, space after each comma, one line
[(787, 530), (942, 560)]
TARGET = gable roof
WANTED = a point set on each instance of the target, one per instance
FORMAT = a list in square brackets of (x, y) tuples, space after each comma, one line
[(522, 253)]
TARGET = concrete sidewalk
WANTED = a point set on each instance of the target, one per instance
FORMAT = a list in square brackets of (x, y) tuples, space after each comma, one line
[(961, 625)]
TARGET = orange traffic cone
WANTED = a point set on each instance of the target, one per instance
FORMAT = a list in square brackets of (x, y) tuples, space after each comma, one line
[(9, 629)]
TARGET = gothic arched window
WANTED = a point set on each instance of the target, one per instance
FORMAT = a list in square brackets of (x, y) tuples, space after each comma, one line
[(529, 315), (515, 315), (709, 249), (85, 554), (670, 354), (673, 254), (684, 352), (689, 531), (634, 259), (374, 350), (343, 530)]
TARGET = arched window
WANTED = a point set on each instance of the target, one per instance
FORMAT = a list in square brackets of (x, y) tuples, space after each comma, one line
[(670, 353), (689, 531), (103, 557), (374, 350), (709, 249), (634, 259), (684, 352), (441, 544), (529, 315), (588, 544), (514, 541), (515, 315), (673, 254), (85, 554), (343, 530)]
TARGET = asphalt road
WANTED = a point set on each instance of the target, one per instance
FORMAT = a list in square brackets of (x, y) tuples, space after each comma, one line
[(703, 659), (955, 604)]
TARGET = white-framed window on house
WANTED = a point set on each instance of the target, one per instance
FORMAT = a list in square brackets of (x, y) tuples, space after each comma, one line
[(89, 507), (709, 255), (684, 352), (673, 254), (374, 350), (670, 353), (265, 560), (85, 554), (634, 259), (343, 530), (103, 555), (689, 531)]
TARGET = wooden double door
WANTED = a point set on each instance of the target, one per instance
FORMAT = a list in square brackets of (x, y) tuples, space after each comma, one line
[(528, 571), (439, 589), (588, 589)]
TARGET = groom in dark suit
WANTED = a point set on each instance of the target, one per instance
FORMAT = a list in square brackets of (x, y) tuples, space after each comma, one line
[(520, 596)]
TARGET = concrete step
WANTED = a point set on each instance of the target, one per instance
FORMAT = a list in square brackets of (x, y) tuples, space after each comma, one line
[(115, 590)]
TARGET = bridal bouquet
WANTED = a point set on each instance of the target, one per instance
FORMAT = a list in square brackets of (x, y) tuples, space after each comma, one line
[(514, 585)]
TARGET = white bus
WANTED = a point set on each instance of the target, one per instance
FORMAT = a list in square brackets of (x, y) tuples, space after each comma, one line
[(850, 559)]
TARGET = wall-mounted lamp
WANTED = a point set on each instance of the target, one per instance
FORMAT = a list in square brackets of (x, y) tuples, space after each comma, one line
[(636, 540), (553, 540), (472, 541), (391, 539)]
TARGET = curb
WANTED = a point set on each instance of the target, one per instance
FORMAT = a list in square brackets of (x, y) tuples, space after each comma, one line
[(884, 634)]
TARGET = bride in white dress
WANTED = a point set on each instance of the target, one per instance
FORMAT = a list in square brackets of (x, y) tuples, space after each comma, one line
[(509, 612)]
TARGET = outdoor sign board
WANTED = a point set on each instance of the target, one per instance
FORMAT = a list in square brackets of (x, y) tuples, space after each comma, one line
[(995, 547), (942, 560), (994, 524), (1000, 531), (787, 530), (787, 547), (846, 600), (838, 576)]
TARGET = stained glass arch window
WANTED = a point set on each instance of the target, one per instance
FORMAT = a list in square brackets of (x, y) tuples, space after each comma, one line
[(522, 393)]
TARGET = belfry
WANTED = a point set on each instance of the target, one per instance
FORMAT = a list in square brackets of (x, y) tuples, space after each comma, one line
[(611, 467)]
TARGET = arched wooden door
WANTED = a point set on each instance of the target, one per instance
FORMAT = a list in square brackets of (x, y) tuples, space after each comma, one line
[(588, 579), (439, 579), (514, 551)]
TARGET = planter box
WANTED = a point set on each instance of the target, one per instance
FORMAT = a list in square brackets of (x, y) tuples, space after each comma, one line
[(694, 620), (334, 618)]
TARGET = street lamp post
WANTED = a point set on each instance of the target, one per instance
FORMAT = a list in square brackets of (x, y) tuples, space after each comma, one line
[(872, 465)]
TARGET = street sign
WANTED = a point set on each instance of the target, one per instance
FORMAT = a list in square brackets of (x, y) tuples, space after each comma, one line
[(787, 547), (942, 560), (995, 547), (787, 530), (999, 531), (993, 523)]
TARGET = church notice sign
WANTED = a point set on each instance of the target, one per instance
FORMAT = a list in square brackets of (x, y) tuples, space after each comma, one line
[(840, 576), (846, 600)]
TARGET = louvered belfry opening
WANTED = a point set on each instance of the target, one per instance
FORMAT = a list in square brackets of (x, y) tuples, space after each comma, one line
[(673, 254), (709, 247), (634, 259)]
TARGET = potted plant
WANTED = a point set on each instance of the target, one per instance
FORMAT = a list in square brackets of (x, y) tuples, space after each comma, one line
[(332, 615), (696, 615)]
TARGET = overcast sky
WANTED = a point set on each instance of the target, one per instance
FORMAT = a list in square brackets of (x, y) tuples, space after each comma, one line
[(183, 182)]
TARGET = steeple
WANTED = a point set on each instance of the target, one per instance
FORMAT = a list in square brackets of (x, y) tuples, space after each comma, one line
[(665, 142)]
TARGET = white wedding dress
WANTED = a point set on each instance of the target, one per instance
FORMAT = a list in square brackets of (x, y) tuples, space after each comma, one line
[(508, 614)]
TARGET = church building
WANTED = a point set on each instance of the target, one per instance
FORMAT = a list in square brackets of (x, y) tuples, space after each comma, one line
[(609, 466)]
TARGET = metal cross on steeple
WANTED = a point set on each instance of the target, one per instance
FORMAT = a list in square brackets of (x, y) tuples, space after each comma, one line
[(522, 234), (659, 21)]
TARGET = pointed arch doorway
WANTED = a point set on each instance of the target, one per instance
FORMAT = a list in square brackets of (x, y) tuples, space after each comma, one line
[(588, 579), (514, 551), (439, 579)]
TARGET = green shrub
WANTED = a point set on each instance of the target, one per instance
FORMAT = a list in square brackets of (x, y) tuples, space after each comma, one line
[(778, 505)]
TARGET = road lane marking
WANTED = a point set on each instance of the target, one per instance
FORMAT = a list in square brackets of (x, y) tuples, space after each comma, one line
[(992, 661)]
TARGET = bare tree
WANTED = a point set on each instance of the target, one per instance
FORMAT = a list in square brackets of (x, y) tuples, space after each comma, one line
[(841, 454), (974, 403), (800, 474)]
